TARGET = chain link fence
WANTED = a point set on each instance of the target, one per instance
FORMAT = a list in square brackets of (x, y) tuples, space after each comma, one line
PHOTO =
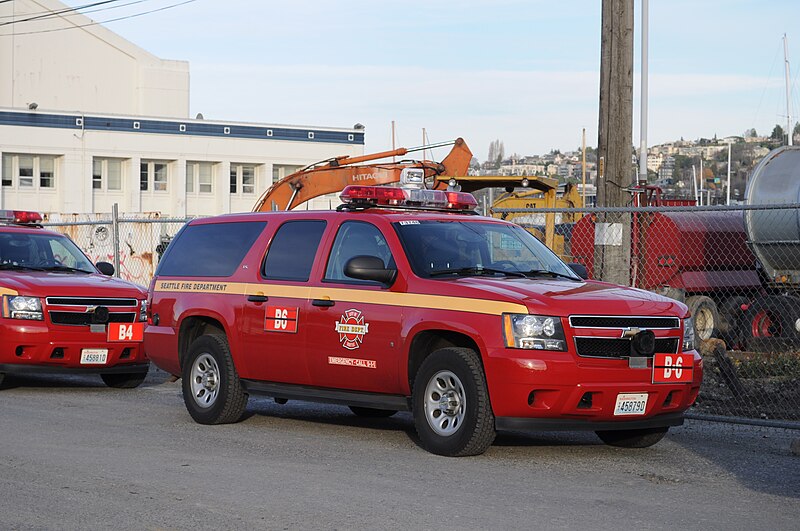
[(133, 244), (736, 268)]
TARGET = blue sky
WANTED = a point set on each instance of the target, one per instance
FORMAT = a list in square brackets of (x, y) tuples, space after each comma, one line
[(522, 71)]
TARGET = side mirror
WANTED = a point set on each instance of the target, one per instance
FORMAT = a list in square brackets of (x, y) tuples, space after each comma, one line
[(106, 268), (369, 268), (579, 269)]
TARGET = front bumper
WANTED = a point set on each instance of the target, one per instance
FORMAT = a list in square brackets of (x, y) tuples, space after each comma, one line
[(548, 390), (52, 347), (21, 368), (538, 424)]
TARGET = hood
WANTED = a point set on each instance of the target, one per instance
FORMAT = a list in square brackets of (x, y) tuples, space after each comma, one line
[(62, 284), (561, 297)]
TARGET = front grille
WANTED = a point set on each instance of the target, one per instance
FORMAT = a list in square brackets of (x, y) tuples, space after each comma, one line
[(599, 321), (610, 347), (90, 301), (85, 318)]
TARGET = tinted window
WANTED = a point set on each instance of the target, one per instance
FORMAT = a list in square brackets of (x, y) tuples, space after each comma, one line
[(455, 248), (210, 250), (291, 254), (356, 238)]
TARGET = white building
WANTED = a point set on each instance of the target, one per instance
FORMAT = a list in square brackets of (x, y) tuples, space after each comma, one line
[(88, 119)]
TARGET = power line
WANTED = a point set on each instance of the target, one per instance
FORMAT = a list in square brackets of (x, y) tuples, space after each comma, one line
[(57, 12), (75, 11), (100, 21)]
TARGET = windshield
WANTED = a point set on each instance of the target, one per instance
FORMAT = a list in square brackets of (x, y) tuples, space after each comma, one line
[(442, 249), (45, 252)]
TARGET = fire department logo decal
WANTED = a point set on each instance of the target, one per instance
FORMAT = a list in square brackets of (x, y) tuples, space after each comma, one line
[(352, 328)]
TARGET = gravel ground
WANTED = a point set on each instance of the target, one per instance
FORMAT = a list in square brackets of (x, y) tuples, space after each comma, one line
[(78, 455)]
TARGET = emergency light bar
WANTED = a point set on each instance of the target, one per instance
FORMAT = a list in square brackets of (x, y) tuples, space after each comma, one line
[(22, 217), (407, 198)]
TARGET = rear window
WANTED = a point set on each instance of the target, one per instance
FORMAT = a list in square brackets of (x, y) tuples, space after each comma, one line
[(292, 251), (210, 250)]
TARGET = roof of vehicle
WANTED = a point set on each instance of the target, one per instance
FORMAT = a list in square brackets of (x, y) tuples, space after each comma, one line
[(31, 229), (392, 214)]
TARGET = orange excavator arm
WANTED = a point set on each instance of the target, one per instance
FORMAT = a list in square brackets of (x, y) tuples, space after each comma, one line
[(334, 175)]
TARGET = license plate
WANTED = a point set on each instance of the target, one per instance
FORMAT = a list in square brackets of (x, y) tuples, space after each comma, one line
[(630, 404), (94, 356)]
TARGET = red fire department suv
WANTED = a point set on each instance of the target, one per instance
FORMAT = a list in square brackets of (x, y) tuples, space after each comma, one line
[(60, 314), (404, 300)]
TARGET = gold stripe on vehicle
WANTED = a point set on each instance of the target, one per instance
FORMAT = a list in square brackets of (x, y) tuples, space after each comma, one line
[(388, 298), (8, 291)]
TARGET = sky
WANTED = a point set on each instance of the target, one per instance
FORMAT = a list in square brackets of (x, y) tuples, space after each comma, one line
[(525, 72)]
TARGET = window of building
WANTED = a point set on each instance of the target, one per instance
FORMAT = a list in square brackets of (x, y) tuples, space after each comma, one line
[(279, 171), (153, 175), (199, 177), (29, 171), (107, 174), (243, 177), (7, 163)]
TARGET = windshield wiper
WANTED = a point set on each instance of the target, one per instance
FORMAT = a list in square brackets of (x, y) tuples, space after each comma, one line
[(468, 271), (537, 272), (19, 267), (66, 268)]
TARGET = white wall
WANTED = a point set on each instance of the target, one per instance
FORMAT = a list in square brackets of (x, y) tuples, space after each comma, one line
[(89, 69), (76, 149)]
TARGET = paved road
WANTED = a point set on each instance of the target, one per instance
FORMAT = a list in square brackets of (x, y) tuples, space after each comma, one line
[(77, 455)]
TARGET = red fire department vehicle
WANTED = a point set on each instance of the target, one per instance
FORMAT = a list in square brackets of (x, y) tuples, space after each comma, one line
[(60, 313), (403, 299)]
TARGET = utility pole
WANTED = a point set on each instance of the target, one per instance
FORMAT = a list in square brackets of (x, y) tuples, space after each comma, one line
[(612, 257)]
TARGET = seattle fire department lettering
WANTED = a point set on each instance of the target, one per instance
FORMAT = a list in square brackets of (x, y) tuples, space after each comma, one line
[(352, 329)]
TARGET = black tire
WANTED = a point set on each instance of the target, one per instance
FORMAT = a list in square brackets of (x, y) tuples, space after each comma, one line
[(731, 320), (467, 429), (129, 380), (704, 315), (770, 323), (369, 412), (2, 376), (212, 391), (632, 438)]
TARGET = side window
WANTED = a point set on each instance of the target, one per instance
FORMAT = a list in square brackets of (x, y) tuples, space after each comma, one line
[(62, 255), (210, 250), (292, 251), (356, 238)]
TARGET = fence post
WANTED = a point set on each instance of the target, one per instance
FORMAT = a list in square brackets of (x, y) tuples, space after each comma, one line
[(115, 236)]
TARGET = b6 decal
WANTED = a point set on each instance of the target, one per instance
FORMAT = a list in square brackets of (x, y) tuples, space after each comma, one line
[(125, 331), (672, 368), (281, 319)]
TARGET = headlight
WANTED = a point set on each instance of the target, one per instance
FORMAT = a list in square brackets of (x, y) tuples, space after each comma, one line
[(143, 311), (536, 332), (688, 334), (19, 307)]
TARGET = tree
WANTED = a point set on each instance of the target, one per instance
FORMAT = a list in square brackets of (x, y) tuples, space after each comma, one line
[(496, 152), (750, 133), (796, 130), (777, 133)]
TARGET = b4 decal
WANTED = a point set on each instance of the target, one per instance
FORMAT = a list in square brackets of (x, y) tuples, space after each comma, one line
[(281, 319), (125, 331), (352, 329)]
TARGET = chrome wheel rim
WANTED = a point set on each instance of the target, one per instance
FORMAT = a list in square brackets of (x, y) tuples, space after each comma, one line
[(445, 403), (704, 323), (205, 381)]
